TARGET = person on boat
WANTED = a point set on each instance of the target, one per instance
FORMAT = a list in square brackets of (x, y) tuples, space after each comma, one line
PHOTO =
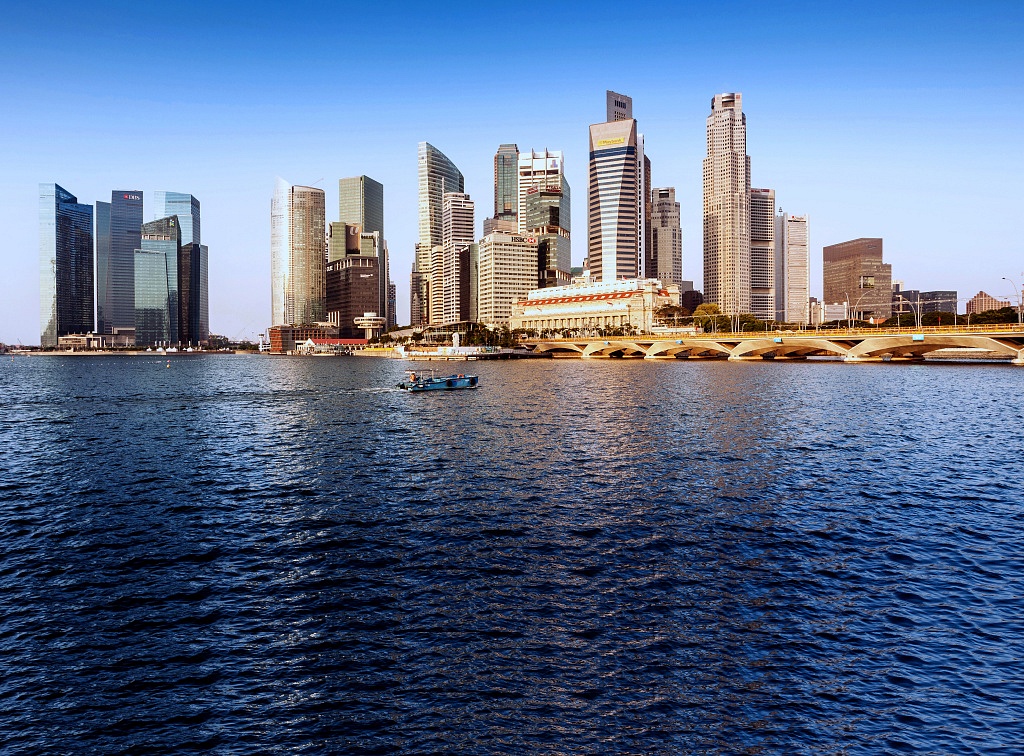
[(412, 377)]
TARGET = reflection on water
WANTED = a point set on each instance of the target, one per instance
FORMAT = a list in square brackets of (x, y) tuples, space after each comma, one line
[(243, 553)]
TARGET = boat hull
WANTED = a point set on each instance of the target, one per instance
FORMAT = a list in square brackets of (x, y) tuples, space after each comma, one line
[(450, 383)]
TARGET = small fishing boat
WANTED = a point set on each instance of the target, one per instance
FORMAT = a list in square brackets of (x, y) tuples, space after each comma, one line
[(419, 382)]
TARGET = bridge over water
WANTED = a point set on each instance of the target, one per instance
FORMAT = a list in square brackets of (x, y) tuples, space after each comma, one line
[(855, 345)]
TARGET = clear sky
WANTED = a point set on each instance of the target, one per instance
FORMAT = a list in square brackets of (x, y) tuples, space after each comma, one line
[(899, 120)]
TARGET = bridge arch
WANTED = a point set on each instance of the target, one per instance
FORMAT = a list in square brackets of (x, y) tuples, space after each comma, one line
[(793, 347), (608, 348), (901, 346)]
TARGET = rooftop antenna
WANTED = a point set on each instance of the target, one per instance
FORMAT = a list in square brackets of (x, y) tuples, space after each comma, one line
[(316, 182)]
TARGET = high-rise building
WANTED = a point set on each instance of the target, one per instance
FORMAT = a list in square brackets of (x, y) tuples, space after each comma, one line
[(538, 170), (613, 202), (119, 233), (854, 273), (544, 213), (361, 202), (437, 175), (938, 301), (352, 290), (392, 316), (506, 192), (727, 207), (795, 258), (618, 107), (101, 225), (66, 257), (416, 293), (458, 229), (762, 253), (666, 237), (548, 221), (193, 291), (983, 302), (298, 255), (507, 273), (156, 266)]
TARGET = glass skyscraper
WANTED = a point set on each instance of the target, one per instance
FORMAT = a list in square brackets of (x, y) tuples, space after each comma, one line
[(437, 175), (193, 307), (65, 264), (361, 201), (156, 283), (102, 226), (506, 182), (118, 235)]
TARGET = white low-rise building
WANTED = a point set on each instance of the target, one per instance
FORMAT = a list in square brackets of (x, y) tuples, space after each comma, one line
[(604, 304)]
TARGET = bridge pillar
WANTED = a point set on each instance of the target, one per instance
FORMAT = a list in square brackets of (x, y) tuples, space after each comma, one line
[(1019, 359)]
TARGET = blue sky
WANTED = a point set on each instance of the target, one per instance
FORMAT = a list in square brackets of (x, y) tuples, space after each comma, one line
[(899, 120)]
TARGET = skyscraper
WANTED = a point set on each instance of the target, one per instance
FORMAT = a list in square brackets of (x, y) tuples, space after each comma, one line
[(613, 201), (458, 229), (762, 253), (507, 273), (119, 233), (361, 201), (854, 273), (797, 282), (65, 265), (193, 264), (298, 255), (102, 275), (666, 237), (437, 175), (727, 207), (618, 107), (156, 265), (506, 192)]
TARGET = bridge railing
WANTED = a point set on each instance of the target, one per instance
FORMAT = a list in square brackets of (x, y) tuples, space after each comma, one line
[(807, 333)]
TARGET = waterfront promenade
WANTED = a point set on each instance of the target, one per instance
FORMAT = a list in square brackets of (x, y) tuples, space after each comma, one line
[(851, 345)]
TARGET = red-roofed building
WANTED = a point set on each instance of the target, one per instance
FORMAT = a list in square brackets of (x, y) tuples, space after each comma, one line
[(605, 304)]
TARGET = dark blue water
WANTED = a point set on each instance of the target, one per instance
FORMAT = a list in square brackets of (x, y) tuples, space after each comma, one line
[(284, 555)]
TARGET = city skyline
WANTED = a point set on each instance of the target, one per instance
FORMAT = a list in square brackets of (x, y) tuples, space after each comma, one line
[(863, 146)]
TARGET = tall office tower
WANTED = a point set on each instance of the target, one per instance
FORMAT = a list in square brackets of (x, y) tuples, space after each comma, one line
[(186, 207), (645, 259), (618, 107), (613, 202), (156, 266), (118, 235), (727, 207), (547, 221), (298, 255), (101, 225), (437, 175), (458, 229), (435, 286), (416, 293), (854, 273), (508, 272), (65, 265), (538, 170), (780, 265), (193, 299), (361, 201), (506, 192), (666, 237), (796, 283), (352, 277), (392, 315), (762, 253)]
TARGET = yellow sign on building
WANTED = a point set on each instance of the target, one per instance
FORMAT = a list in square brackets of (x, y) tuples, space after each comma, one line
[(609, 142)]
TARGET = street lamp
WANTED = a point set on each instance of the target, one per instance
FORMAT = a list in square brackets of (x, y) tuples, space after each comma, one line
[(917, 311), (849, 313), (1020, 300)]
